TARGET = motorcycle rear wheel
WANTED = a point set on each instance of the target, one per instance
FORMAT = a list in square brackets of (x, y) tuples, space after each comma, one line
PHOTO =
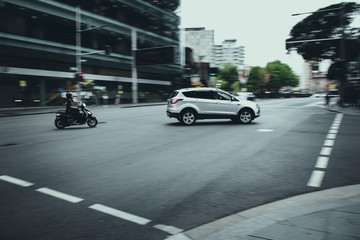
[(92, 122), (59, 124)]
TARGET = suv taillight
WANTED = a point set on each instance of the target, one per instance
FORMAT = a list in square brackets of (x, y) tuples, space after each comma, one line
[(174, 101)]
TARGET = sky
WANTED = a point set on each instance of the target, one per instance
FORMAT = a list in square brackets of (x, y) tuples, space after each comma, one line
[(262, 26)]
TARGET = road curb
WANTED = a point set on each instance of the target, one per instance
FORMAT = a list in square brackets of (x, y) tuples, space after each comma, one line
[(12, 112), (246, 222)]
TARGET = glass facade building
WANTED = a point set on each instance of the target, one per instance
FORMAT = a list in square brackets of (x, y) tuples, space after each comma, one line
[(41, 41)]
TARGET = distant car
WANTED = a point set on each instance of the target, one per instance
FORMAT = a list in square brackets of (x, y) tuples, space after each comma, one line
[(318, 95), (245, 95), (189, 104), (289, 92)]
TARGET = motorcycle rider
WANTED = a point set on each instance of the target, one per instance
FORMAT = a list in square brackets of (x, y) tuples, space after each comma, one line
[(70, 108)]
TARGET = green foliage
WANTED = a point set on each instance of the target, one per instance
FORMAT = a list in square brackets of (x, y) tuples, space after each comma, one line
[(229, 74), (224, 85), (280, 75), (256, 78), (324, 25), (236, 86)]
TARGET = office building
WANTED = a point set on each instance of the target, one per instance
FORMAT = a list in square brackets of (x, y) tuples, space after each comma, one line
[(229, 53), (201, 41), (44, 43)]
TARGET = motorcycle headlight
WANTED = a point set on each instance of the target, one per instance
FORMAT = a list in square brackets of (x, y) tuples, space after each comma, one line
[(84, 104)]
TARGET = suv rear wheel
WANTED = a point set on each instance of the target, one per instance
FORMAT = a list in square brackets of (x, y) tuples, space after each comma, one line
[(245, 116), (188, 117)]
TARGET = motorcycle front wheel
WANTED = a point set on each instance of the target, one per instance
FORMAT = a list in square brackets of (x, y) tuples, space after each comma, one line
[(59, 124), (92, 122)]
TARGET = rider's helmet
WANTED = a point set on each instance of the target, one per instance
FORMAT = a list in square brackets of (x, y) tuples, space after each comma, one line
[(69, 95)]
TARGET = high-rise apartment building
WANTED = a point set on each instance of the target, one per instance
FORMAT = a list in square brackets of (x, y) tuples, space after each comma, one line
[(201, 41), (229, 52), (39, 45)]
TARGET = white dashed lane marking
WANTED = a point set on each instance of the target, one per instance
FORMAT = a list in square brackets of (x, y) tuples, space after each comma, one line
[(60, 195), (322, 162), (16, 181), (316, 178), (98, 207), (120, 214)]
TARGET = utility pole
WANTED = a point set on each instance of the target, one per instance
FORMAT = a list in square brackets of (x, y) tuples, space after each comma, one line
[(133, 66), (78, 47), (79, 52), (78, 39)]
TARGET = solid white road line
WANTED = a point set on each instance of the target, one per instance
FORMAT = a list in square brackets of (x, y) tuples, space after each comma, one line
[(16, 181), (120, 214), (60, 195), (316, 178)]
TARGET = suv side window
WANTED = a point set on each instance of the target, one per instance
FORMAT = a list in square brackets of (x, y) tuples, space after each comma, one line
[(205, 94), (222, 96), (190, 94), (174, 94)]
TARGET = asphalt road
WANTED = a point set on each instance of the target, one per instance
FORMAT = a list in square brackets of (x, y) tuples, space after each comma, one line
[(141, 175)]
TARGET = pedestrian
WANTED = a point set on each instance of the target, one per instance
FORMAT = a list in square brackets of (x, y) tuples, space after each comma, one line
[(327, 99)]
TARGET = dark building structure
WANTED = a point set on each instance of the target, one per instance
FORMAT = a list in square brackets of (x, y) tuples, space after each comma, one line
[(44, 43)]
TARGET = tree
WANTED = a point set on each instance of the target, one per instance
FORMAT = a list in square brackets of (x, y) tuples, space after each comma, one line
[(256, 78), (229, 74), (332, 22), (280, 75)]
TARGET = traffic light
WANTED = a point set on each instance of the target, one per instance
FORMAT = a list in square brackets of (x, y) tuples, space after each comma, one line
[(340, 70), (213, 72), (78, 77)]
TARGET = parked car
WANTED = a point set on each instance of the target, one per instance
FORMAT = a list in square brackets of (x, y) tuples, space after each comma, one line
[(190, 104), (245, 95)]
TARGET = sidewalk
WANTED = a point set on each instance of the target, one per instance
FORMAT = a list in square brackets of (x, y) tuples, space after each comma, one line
[(332, 214), (20, 111), (345, 110)]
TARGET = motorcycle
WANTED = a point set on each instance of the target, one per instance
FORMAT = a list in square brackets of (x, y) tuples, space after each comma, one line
[(64, 120)]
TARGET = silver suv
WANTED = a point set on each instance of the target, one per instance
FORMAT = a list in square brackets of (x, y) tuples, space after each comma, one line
[(189, 104)]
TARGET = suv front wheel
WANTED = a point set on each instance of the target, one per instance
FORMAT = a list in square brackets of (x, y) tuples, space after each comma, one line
[(188, 117), (245, 116)]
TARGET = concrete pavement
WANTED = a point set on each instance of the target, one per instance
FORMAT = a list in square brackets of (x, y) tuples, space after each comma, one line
[(332, 214)]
